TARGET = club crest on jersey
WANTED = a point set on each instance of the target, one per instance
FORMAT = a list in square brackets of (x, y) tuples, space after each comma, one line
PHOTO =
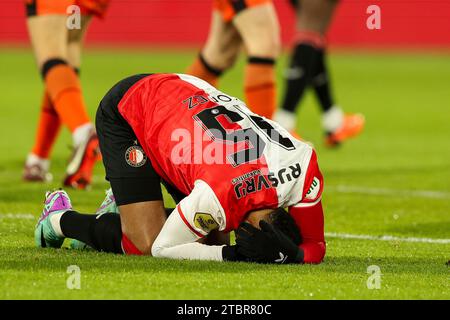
[(205, 221), (135, 156)]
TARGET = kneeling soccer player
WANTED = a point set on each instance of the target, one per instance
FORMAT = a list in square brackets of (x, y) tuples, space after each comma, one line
[(228, 168)]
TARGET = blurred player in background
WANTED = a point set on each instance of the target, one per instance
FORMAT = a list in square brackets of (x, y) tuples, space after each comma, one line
[(254, 24), (308, 68), (57, 51)]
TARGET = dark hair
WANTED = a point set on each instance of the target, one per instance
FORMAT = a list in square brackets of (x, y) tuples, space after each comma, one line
[(286, 224)]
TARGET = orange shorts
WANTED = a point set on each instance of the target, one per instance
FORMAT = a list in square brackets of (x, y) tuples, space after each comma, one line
[(87, 7), (230, 8)]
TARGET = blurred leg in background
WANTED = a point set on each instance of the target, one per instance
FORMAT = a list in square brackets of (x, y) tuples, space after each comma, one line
[(253, 24), (58, 55), (308, 68), (219, 53)]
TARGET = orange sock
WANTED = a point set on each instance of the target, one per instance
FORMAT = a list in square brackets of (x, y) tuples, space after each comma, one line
[(259, 86), (47, 130), (201, 69), (64, 89)]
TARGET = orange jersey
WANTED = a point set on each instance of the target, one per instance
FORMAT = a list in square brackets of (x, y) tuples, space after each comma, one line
[(230, 8), (87, 7)]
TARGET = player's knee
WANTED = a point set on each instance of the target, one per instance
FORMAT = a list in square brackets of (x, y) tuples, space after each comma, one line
[(229, 61), (75, 36), (264, 47), (219, 61)]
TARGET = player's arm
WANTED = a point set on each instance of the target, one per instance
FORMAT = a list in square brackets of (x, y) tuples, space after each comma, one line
[(308, 215), (270, 244), (177, 241), (191, 221), (310, 221)]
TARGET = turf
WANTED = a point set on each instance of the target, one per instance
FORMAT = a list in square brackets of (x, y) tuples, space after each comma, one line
[(404, 148)]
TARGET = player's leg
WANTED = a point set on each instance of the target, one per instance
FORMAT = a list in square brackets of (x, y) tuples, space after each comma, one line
[(85, 155), (135, 185), (139, 230), (49, 124), (312, 24), (37, 164), (220, 51), (49, 36), (109, 205), (75, 42), (131, 232), (259, 28), (313, 18)]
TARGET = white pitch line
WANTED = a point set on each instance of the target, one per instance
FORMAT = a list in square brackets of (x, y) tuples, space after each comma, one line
[(384, 238), (17, 216), (390, 192), (29, 216)]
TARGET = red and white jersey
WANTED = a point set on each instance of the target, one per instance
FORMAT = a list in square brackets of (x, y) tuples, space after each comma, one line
[(211, 147)]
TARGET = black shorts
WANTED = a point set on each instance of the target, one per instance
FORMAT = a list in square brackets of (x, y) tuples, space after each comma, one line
[(128, 169)]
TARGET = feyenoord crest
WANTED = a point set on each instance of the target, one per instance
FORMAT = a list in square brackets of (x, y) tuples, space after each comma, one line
[(135, 156)]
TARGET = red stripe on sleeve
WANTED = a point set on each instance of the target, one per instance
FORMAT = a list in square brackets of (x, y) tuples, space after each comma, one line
[(198, 234)]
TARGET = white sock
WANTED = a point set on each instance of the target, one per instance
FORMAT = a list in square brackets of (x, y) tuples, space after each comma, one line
[(333, 119), (55, 221), (81, 133), (33, 159), (287, 119)]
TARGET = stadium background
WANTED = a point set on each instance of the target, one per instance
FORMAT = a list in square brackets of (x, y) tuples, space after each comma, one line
[(419, 24), (393, 180)]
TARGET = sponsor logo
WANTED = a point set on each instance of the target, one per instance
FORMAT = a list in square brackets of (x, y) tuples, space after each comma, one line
[(313, 189), (254, 181), (282, 258), (205, 221), (135, 156)]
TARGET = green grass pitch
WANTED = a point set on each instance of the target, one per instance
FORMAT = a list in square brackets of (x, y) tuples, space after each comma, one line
[(393, 180)]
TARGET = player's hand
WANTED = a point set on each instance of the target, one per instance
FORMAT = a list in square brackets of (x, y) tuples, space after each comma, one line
[(268, 245)]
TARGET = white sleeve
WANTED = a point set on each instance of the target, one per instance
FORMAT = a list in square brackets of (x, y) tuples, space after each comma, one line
[(193, 218)]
